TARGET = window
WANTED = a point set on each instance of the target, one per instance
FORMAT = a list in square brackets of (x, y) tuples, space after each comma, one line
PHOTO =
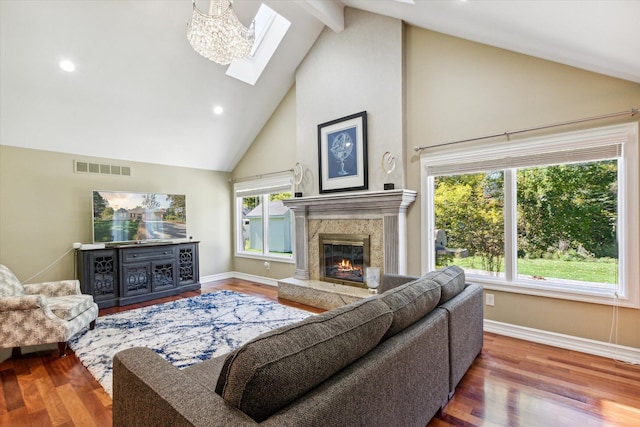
[(264, 226), (552, 216)]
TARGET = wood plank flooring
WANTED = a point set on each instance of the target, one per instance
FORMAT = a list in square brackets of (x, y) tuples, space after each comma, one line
[(512, 383)]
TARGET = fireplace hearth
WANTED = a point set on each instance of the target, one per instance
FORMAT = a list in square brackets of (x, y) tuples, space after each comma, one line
[(344, 258)]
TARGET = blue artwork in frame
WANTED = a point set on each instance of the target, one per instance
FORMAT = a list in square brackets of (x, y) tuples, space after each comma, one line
[(342, 154)]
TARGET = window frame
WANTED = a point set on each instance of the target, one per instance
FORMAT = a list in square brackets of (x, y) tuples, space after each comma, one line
[(481, 155), (261, 188)]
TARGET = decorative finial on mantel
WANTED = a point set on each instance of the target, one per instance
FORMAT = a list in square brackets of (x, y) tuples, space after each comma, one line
[(388, 166), (298, 176)]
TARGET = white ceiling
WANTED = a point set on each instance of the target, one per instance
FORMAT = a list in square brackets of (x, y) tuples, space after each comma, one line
[(140, 93)]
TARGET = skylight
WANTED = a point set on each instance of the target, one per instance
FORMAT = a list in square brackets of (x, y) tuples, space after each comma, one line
[(270, 28)]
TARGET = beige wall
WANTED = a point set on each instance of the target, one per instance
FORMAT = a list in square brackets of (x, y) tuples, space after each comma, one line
[(458, 89), (358, 69), (45, 207), (273, 150)]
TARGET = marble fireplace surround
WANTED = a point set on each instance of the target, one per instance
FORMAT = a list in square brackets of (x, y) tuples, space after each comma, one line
[(380, 214)]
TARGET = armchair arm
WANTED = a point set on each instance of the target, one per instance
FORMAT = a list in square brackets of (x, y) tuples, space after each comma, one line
[(28, 320), (23, 302), (54, 289)]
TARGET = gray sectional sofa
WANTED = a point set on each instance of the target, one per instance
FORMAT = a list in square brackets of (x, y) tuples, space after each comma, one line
[(392, 359)]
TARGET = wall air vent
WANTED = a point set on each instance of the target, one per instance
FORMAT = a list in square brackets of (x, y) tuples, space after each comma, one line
[(101, 168), (81, 166)]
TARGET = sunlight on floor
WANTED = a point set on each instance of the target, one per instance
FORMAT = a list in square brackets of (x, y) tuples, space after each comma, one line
[(530, 406), (618, 412)]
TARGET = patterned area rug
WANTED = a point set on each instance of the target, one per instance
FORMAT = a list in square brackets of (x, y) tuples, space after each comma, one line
[(184, 332)]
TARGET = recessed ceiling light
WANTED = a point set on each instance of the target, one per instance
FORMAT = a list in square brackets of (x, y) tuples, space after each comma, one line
[(217, 110), (66, 65)]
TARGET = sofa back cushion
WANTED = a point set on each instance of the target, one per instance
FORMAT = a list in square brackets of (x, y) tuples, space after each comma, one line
[(410, 302), (274, 369), (451, 280)]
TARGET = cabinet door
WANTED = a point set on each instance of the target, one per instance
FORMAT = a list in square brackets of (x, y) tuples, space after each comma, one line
[(102, 277), (164, 275), (136, 279), (188, 264)]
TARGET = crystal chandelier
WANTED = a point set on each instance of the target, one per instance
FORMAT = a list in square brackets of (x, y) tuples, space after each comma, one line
[(219, 36)]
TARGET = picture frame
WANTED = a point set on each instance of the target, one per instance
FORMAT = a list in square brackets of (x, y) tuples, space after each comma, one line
[(342, 154)]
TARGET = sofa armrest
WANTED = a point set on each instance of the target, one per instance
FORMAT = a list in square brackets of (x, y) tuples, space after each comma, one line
[(149, 391), (390, 281), (466, 322), (59, 288)]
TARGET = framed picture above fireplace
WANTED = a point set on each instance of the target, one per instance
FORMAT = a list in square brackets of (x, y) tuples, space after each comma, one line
[(342, 154)]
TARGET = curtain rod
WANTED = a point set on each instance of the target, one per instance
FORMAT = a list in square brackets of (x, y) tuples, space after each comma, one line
[(262, 175), (631, 113)]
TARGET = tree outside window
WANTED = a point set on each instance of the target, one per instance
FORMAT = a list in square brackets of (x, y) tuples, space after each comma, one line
[(566, 222)]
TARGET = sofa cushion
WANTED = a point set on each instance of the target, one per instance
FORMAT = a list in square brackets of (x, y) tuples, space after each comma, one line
[(410, 302), (279, 366), (70, 306), (451, 279)]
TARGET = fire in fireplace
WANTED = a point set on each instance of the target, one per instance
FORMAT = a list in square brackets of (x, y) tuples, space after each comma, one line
[(344, 258)]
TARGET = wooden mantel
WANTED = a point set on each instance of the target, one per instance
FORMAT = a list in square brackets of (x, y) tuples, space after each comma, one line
[(370, 201)]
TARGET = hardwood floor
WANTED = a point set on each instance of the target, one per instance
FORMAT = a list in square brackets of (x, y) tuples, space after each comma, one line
[(512, 383), (519, 383)]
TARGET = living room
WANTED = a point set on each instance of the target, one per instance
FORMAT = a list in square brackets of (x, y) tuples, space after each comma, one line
[(418, 87)]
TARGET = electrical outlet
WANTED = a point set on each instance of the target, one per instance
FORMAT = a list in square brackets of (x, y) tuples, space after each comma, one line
[(489, 300), (267, 266)]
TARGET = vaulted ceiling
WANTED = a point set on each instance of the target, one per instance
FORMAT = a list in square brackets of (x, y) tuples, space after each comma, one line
[(140, 92)]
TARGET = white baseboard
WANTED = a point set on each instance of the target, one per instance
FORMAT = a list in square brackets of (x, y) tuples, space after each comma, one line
[(238, 275), (598, 348), (214, 277), (257, 279)]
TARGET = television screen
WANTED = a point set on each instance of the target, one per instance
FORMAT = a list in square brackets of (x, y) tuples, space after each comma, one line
[(127, 217)]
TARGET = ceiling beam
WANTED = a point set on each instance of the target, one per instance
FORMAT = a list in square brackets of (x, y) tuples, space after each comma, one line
[(330, 13)]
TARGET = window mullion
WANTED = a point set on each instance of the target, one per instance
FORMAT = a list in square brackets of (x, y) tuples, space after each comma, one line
[(265, 224), (239, 224), (510, 226), (432, 226)]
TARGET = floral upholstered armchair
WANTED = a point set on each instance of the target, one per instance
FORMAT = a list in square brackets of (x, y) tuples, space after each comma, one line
[(42, 313)]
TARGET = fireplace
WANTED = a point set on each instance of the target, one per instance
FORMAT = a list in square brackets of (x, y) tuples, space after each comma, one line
[(344, 258), (380, 215)]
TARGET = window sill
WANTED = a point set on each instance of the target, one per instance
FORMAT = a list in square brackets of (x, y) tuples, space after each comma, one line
[(263, 257)]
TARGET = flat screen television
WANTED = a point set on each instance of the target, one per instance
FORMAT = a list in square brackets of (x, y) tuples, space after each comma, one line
[(138, 217)]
